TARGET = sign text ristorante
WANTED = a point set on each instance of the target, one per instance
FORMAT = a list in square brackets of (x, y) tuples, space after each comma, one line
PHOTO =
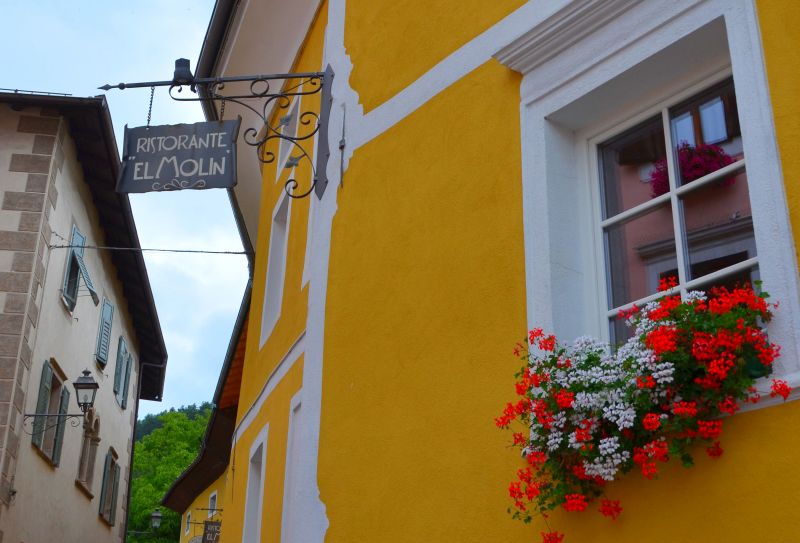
[(184, 156)]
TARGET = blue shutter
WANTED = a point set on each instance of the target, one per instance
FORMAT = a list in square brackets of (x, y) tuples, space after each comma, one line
[(86, 279), (59, 437), (77, 239), (41, 404), (128, 364), (113, 514), (119, 370), (104, 334), (103, 490)]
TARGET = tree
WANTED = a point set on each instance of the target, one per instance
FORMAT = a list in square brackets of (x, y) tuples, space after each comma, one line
[(159, 458)]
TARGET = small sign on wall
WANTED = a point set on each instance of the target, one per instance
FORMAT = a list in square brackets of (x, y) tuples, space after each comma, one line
[(211, 531), (181, 156)]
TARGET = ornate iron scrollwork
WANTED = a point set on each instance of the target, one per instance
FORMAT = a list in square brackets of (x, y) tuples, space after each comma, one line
[(267, 97)]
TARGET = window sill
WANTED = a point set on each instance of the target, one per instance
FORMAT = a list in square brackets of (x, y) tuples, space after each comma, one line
[(763, 388), (66, 307), (43, 455), (85, 489), (105, 521)]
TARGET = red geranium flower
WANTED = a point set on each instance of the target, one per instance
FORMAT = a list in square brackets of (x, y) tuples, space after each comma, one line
[(552, 537), (651, 422), (610, 508), (780, 388)]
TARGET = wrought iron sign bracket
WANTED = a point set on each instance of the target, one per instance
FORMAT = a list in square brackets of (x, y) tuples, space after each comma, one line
[(269, 96), (75, 420)]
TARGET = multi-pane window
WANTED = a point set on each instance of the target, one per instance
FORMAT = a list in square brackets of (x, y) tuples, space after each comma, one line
[(76, 269), (675, 202), (53, 399), (110, 487)]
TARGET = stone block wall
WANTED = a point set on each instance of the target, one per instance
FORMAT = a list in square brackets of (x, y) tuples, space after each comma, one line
[(29, 162)]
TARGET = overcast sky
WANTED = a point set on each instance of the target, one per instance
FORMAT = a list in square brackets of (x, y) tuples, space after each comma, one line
[(76, 46)]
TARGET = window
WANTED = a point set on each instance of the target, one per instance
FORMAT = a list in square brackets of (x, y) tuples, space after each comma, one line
[(188, 525), (53, 399), (598, 233), (91, 439), (212, 504), (291, 521), (104, 332), (675, 202), (255, 489), (76, 269), (276, 267), (122, 373), (288, 125), (110, 488)]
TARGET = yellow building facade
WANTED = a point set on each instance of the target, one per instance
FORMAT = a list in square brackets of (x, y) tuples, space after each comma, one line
[(469, 198)]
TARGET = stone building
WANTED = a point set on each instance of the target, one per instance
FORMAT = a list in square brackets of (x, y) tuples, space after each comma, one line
[(65, 307)]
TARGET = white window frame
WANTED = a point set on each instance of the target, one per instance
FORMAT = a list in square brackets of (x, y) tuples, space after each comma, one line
[(571, 53), (212, 510), (660, 109), (291, 513), (254, 499), (289, 130), (275, 270)]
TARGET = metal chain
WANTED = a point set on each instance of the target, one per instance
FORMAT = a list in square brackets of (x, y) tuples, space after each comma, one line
[(222, 110), (150, 108)]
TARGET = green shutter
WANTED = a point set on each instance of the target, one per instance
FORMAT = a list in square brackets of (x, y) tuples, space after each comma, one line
[(59, 437), (41, 404), (103, 493), (77, 239), (86, 279), (122, 356), (104, 334), (112, 516), (128, 364)]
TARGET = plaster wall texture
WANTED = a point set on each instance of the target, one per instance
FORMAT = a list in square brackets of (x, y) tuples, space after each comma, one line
[(392, 44), (47, 499)]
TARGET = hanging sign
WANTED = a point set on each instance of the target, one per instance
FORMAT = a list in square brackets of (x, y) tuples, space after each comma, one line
[(180, 156), (211, 531)]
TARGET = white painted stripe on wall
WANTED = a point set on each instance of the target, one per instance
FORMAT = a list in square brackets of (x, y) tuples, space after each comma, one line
[(272, 381)]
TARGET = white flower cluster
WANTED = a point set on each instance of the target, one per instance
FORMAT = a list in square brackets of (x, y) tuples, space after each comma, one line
[(605, 387)]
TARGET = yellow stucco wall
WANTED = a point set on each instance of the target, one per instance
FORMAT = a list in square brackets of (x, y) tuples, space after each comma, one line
[(261, 361), (426, 290), (391, 44), (199, 506), (426, 296), (781, 36), (275, 413)]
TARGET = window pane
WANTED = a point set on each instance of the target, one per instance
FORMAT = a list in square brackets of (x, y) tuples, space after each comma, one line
[(619, 331), (683, 129), (712, 121), (636, 252), (628, 163), (718, 225), (705, 132)]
